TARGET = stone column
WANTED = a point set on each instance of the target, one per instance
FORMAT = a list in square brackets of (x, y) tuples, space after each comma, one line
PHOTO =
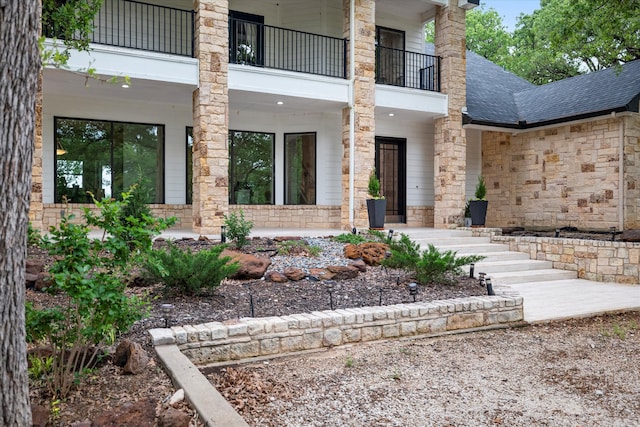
[(36, 207), (364, 106), (210, 117), (450, 141)]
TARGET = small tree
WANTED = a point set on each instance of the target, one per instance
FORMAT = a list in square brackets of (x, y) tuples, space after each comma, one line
[(237, 228), (374, 186), (481, 189)]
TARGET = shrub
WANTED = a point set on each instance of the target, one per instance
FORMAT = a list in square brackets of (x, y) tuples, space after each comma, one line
[(295, 247), (89, 273), (441, 267), (34, 237), (374, 186), (405, 253), (354, 239), (189, 273), (237, 228), (481, 189)]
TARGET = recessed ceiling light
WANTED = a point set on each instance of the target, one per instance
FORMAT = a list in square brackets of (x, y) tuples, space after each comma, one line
[(391, 114), (279, 102), (125, 86)]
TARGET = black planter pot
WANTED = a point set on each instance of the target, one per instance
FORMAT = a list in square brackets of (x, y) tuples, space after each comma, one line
[(478, 210), (376, 209)]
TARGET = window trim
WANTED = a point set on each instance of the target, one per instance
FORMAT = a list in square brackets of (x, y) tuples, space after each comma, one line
[(273, 166), (111, 123), (315, 166)]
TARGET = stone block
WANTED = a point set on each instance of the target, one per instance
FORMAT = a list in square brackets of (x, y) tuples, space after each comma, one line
[(428, 326), (371, 333), (465, 321), (312, 340), (291, 344), (390, 331), (332, 337)]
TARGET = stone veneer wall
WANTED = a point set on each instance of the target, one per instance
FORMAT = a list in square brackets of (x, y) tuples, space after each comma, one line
[(601, 261), (249, 337), (364, 89), (450, 145), (36, 207), (211, 116), (564, 176), (419, 216), (290, 216), (52, 211), (632, 171)]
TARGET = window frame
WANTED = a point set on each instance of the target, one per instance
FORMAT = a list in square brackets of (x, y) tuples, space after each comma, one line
[(273, 166), (315, 168), (188, 165)]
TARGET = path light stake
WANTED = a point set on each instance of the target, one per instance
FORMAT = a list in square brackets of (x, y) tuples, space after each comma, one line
[(471, 268), (413, 290), (166, 313), (613, 233), (251, 306), (481, 277), (354, 231), (489, 287), (380, 301), (557, 232), (330, 284), (390, 236), (223, 234)]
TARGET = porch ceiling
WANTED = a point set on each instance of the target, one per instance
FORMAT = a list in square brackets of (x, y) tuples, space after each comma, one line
[(425, 9), (240, 100), (73, 85)]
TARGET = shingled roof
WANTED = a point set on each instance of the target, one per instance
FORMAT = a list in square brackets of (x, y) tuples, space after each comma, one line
[(496, 97)]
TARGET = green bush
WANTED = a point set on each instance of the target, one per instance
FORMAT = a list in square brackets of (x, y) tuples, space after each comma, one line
[(189, 273), (374, 186), (354, 239), (481, 189), (294, 247), (237, 228), (441, 267), (90, 274), (34, 237), (405, 253)]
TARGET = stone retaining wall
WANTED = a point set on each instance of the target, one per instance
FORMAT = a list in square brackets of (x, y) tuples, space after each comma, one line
[(593, 259), (249, 337)]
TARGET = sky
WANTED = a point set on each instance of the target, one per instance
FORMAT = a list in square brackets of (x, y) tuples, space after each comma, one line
[(510, 9)]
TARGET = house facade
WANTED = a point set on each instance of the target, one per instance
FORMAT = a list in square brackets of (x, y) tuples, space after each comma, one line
[(282, 109)]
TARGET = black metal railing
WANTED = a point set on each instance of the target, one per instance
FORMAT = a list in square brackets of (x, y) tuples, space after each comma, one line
[(256, 44), (407, 69), (136, 25)]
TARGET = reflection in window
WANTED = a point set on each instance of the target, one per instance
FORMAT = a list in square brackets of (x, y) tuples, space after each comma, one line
[(106, 158), (300, 169), (189, 165), (251, 168)]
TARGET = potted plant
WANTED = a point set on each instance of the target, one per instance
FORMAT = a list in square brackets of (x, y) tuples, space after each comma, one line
[(467, 215), (376, 203), (478, 206)]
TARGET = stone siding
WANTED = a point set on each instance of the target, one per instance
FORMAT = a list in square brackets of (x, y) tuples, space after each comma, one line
[(601, 261), (450, 145), (564, 176), (419, 216), (291, 216), (632, 172), (36, 207), (252, 337)]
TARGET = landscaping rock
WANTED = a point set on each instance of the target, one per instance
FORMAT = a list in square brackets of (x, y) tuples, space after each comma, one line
[(342, 272), (177, 397), (360, 265), (173, 417), (286, 238), (251, 266), (294, 273), (39, 416), (321, 273), (371, 253), (276, 277), (140, 414), (34, 266), (131, 356)]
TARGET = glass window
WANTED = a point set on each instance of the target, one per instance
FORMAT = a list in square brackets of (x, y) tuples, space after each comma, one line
[(300, 168), (189, 165), (251, 168), (106, 158)]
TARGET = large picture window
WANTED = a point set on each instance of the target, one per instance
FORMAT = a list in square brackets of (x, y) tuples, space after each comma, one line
[(251, 168), (300, 168), (189, 165), (106, 158)]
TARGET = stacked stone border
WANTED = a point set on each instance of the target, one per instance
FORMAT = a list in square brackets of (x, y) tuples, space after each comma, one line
[(597, 260), (273, 336)]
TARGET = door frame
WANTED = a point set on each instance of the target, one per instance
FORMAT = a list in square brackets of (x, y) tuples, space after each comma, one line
[(401, 168)]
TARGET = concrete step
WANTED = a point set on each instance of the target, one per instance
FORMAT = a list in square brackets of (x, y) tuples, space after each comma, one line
[(491, 267), (473, 249), (427, 233), (544, 275), (504, 256), (452, 241)]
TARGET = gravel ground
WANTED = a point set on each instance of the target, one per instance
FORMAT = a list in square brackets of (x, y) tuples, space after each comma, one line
[(576, 373)]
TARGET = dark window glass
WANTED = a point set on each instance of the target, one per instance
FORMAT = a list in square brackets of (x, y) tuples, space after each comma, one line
[(251, 168), (300, 168), (106, 158), (189, 165)]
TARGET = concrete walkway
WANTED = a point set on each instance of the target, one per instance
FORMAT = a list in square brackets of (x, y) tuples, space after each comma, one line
[(549, 294)]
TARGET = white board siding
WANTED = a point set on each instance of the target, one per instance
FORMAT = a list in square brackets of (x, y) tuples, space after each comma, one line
[(419, 171), (175, 119)]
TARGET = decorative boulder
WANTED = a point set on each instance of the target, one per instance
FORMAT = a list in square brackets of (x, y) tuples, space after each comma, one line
[(342, 272), (276, 277), (251, 267), (371, 253), (294, 273)]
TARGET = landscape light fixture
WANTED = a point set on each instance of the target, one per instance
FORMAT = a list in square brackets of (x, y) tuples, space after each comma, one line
[(557, 232), (481, 277), (166, 309), (413, 290), (223, 234), (489, 287), (354, 231), (613, 231), (390, 235), (471, 269), (330, 286)]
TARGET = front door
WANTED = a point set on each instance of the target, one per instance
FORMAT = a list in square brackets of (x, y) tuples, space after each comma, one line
[(391, 166)]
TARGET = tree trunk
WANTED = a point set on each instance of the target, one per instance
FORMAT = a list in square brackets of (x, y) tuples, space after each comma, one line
[(19, 68)]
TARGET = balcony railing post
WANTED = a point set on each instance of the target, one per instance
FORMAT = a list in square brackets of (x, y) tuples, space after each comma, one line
[(345, 44)]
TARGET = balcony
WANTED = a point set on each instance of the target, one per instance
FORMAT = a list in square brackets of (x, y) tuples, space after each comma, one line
[(259, 45), (397, 67), (136, 25)]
